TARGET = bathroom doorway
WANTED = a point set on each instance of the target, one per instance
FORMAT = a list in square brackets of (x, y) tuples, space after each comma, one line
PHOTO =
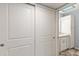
[(66, 28)]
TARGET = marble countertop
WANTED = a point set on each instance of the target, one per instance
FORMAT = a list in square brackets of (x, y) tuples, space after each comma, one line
[(62, 34)]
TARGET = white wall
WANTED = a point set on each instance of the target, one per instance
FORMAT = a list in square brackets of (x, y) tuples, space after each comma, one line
[(76, 27)]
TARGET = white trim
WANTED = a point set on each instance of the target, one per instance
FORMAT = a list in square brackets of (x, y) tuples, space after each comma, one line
[(72, 31), (57, 32)]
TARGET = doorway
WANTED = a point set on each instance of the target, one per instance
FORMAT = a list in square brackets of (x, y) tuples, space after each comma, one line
[(66, 29)]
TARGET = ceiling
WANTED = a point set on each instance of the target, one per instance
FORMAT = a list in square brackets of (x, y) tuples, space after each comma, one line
[(53, 5)]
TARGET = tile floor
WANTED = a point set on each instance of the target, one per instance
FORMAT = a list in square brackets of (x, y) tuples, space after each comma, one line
[(69, 52)]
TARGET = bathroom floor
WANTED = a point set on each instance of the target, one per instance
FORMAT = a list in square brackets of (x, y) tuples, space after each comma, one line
[(69, 52)]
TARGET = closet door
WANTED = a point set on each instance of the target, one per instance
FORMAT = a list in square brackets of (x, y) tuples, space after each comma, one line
[(45, 31), (20, 30)]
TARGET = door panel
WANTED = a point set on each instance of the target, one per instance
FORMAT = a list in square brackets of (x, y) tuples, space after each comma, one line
[(45, 31), (21, 51), (21, 29), (19, 42), (21, 20)]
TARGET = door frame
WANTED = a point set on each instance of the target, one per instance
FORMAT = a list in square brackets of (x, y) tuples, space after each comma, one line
[(57, 32), (35, 6)]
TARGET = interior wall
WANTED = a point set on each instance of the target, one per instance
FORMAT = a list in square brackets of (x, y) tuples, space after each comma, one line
[(76, 27)]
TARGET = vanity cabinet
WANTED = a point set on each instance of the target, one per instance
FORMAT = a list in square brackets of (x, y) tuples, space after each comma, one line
[(64, 42)]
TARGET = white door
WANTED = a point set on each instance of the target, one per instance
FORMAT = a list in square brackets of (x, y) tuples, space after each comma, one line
[(3, 29), (45, 31), (17, 29)]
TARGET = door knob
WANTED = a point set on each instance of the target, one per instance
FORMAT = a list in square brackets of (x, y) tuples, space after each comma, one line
[(54, 37), (1, 45)]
